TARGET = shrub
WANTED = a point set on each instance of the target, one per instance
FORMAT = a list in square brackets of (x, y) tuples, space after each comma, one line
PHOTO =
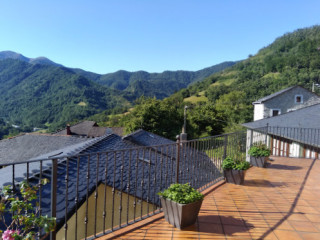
[(181, 193), (260, 150), (230, 163), (26, 219)]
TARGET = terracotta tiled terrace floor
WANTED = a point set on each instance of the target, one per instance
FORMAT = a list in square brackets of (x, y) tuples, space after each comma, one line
[(281, 201)]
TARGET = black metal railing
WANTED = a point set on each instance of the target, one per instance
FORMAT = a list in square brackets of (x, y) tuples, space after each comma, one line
[(94, 193), (98, 191), (288, 141)]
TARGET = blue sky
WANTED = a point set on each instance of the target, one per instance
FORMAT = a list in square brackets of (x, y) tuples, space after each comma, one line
[(104, 36)]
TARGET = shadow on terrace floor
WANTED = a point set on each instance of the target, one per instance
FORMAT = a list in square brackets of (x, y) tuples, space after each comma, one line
[(274, 203)]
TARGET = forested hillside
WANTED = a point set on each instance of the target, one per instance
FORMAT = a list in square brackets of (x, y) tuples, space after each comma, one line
[(34, 95), (223, 101), (36, 92), (159, 85), (293, 59)]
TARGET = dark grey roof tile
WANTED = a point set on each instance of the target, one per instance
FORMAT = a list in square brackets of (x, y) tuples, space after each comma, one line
[(81, 128), (29, 146), (144, 138), (307, 117)]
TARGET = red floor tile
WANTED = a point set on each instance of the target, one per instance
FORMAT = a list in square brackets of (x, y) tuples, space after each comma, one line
[(276, 202)]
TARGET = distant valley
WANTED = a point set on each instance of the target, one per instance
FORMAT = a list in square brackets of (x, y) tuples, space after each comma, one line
[(40, 93)]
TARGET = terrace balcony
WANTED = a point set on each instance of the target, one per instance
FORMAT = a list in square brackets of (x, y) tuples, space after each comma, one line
[(280, 201), (107, 188)]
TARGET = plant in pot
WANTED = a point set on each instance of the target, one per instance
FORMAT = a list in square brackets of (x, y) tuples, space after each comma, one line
[(258, 155), (181, 204), (234, 170)]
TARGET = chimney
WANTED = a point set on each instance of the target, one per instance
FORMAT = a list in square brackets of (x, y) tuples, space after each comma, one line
[(68, 129), (183, 135)]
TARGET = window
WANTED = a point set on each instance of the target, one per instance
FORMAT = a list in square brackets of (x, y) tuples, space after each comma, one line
[(298, 99), (275, 112)]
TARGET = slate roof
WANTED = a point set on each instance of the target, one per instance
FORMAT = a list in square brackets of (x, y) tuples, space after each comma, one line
[(144, 138), (81, 128), (304, 118), (97, 131), (261, 100), (146, 170), (116, 130), (27, 146)]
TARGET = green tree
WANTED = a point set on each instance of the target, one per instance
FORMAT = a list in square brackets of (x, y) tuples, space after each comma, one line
[(205, 120), (160, 117), (234, 106)]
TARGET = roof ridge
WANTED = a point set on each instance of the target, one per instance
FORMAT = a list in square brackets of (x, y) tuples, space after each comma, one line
[(263, 99), (135, 132), (77, 123), (74, 149), (270, 96), (95, 141), (9, 138)]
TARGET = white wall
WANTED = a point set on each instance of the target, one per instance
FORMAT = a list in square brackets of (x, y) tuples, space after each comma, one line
[(258, 111), (294, 150)]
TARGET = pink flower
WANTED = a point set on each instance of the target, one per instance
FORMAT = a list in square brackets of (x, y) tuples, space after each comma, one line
[(7, 234)]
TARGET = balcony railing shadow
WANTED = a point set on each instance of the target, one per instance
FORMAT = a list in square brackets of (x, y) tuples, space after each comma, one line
[(283, 167), (291, 210), (263, 183), (240, 224)]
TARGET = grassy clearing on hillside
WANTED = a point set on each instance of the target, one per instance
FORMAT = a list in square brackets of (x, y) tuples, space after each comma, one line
[(83, 104), (275, 75), (194, 99)]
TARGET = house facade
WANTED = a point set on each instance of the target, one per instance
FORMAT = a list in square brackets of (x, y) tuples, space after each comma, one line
[(292, 134), (286, 100)]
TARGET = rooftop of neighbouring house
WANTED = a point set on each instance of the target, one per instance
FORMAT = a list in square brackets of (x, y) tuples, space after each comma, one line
[(81, 129), (144, 138), (278, 202), (90, 129), (283, 91), (28, 146), (307, 117), (301, 125)]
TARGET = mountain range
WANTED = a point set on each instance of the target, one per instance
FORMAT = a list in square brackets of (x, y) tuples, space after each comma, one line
[(292, 59), (37, 91)]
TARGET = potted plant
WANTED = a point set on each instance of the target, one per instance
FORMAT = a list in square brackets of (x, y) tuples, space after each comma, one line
[(258, 155), (181, 204), (234, 170)]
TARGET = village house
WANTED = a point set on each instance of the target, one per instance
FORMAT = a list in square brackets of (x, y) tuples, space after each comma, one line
[(286, 100), (89, 129), (292, 134)]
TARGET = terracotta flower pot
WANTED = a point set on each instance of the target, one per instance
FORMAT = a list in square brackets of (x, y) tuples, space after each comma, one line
[(258, 161), (235, 176), (180, 215)]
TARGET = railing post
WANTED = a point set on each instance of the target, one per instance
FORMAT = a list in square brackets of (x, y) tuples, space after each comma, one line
[(266, 139), (225, 145), (54, 194), (177, 159)]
